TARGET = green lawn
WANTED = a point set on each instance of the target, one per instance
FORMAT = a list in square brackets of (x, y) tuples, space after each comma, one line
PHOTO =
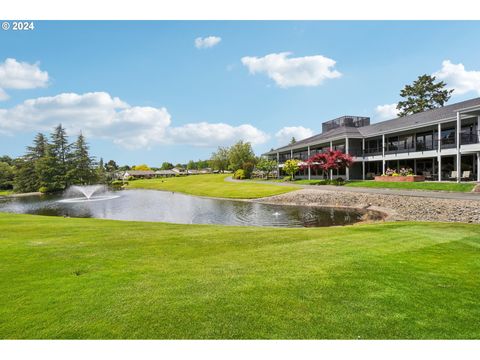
[(5, 192), (89, 278), (436, 186), (211, 185)]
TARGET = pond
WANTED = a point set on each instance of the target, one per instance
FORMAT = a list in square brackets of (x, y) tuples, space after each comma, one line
[(153, 205)]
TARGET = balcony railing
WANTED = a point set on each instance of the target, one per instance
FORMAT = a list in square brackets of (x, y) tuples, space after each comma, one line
[(448, 143), (420, 146), (373, 151), (466, 139)]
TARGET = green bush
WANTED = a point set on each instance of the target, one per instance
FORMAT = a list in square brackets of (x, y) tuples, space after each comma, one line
[(43, 189), (286, 178), (338, 182), (117, 184), (248, 169), (239, 174)]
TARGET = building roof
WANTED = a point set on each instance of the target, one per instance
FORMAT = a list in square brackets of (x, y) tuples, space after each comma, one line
[(399, 123), (166, 172), (140, 172), (423, 118)]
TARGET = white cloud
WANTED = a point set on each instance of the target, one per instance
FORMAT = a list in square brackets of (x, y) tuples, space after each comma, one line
[(386, 112), (459, 79), (3, 95), (289, 72), (285, 134), (98, 114), (207, 42), (20, 75), (206, 134)]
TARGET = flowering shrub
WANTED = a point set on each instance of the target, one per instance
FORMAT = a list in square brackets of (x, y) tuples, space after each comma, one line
[(406, 172), (329, 160), (401, 172), (389, 172)]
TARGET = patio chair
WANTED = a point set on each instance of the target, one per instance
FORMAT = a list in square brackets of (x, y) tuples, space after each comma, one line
[(453, 175), (428, 175), (467, 175)]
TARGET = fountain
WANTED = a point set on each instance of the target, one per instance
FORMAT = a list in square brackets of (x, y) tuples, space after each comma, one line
[(88, 192)]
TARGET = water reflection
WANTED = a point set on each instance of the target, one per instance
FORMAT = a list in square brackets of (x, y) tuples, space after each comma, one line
[(151, 205)]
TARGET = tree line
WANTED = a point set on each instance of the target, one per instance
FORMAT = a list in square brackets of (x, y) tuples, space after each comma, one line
[(52, 164)]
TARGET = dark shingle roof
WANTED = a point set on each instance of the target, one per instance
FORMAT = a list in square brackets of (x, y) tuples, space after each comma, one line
[(426, 117)]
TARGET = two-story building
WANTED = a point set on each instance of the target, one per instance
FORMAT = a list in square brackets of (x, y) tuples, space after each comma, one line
[(442, 144)]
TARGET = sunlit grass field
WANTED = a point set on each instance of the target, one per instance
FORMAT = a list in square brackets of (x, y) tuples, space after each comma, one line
[(213, 185), (99, 279)]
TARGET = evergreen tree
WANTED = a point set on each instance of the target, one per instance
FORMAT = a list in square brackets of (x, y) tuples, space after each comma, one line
[(39, 148), (422, 95), (82, 170), (49, 176), (101, 173), (60, 154), (27, 178), (293, 140)]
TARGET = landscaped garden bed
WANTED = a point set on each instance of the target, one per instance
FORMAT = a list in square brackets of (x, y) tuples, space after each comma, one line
[(403, 175), (409, 178)]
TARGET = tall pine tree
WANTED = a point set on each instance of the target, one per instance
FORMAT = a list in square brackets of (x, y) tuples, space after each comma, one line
[(82, 171), (424, 94), (27, 178), (60, 151)]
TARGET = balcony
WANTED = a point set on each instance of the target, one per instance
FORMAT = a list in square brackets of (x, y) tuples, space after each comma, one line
[(373, 151), (466, 139)]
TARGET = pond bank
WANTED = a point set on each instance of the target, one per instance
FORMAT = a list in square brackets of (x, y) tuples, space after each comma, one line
[(397, 207)]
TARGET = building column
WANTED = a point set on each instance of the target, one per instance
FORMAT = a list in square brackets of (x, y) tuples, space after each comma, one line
[(347, 170), (291, 154), (415, 166), (383, 154), (278, 165), (308, 150), (459, 157), (439, 140), (439, 168), (363, 158), (478, 167), (331, 171), (478, 128)]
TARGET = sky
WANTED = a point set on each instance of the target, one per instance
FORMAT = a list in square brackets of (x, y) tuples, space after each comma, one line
[(155, 91)]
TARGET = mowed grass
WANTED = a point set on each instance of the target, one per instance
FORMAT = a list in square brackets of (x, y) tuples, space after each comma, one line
[(5, 192), (100, 279), (434, 186), (211, 185)]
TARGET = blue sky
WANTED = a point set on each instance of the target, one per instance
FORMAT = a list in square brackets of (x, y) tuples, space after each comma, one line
[(142, 92)]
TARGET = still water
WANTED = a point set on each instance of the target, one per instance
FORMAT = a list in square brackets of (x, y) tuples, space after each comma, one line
[(152, 205)]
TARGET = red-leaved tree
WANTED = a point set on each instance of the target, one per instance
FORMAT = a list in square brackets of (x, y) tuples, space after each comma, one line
[(329, 160)]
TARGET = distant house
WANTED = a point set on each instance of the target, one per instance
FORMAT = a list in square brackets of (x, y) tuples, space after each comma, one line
[(179, 171), (138, 174), (206, 171), (193, 172), (166, 173)]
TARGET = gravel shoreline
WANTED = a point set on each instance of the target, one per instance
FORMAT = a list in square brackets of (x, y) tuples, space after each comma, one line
[(396, 207)]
